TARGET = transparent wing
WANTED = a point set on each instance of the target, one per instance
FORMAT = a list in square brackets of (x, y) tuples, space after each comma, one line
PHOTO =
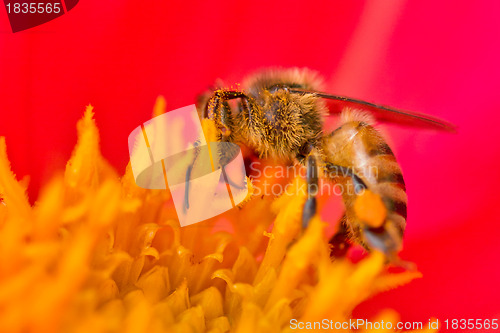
[(382, 112)]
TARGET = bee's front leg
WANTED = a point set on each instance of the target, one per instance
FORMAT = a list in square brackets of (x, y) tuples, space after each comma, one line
[(217, 109), (310, 206)]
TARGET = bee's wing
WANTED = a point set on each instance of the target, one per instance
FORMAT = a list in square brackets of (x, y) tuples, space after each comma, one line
[(382, 112)]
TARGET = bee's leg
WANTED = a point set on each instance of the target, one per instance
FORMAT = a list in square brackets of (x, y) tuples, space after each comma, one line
[(312, 190), (186, 190), (334, 171), (188, 177), (219, 111), (385, 238), (340, 241), (212, 107)]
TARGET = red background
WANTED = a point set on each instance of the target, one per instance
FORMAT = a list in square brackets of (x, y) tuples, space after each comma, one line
[(437, 58)]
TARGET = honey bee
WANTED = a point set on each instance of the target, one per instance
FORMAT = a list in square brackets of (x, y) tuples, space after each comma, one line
[(281, 114)]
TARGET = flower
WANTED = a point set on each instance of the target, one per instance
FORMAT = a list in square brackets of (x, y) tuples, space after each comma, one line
[(425, 56), (96, 253)]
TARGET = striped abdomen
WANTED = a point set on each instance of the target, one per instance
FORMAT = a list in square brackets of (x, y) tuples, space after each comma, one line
[(360, 148)]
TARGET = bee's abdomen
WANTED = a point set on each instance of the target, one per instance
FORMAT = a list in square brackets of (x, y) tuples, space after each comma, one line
[(384, 176), (359, 146), (380, 154)]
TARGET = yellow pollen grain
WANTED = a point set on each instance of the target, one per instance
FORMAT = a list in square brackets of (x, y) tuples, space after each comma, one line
[(370, 209)]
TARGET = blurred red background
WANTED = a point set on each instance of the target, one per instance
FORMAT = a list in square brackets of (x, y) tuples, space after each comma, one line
[(440, 58)]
